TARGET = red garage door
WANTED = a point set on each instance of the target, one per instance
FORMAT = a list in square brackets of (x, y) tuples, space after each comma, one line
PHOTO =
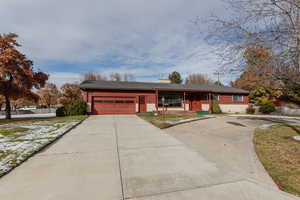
[(113, 105)]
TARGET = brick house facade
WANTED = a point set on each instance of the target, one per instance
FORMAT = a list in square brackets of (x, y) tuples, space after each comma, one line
[(108, 97)]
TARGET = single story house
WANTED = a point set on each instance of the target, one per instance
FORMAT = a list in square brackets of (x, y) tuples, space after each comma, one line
[(111, 97)]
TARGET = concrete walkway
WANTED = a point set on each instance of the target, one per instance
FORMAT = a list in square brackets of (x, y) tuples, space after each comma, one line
[(124, 157)]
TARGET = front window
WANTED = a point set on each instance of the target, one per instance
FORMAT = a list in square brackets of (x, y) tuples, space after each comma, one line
[(237, 98), (170, 100)]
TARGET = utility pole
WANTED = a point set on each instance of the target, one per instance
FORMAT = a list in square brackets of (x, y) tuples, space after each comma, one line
[(218, 73)]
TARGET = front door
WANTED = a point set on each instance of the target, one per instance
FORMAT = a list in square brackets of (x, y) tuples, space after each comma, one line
[(196, 102), (142, 104)]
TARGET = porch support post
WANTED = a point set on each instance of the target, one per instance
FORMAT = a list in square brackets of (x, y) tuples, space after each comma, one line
[(184, 101), (89, 104), (156, 100), (210, 102)]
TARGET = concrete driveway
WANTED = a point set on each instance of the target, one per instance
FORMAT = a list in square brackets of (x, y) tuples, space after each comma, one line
[(227, 142), (124, 157)]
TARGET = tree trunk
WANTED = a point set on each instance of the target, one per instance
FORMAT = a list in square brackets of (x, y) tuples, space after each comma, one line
[(7, 108), (297, 60)]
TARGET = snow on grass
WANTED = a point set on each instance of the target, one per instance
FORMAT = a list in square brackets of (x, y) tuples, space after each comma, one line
[(46, 115), (264, 116), (20, 140)]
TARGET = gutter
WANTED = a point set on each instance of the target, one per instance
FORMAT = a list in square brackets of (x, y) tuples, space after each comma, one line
[(163, 89)]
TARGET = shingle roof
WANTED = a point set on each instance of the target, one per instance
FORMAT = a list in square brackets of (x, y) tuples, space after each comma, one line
[(90, 84)]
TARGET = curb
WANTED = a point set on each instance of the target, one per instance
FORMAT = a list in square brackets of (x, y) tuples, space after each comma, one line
[(185, 122)]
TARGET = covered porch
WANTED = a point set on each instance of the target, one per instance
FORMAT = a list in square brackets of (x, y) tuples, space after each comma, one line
[(183, 101)]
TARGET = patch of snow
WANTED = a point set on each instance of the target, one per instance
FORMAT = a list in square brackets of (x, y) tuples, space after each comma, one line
[(296, 138), (21, 147), (266, 126), (264, 116), (45, 115)]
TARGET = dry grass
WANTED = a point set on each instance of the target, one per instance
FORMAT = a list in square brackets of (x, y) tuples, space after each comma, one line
[(59, 119), (280, 155), (12, 131), (160, 120)]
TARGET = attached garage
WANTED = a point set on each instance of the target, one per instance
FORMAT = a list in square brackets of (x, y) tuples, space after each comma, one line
[(114, 105)]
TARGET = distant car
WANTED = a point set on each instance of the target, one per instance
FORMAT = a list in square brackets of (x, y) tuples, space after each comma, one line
[(28, 108)]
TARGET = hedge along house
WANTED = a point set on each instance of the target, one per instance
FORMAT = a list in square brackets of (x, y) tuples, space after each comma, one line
[(111, 97)]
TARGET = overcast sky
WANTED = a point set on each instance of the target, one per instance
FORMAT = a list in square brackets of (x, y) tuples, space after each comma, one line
[(148, 39)]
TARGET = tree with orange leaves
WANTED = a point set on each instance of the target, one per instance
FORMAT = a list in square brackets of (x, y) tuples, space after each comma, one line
[(49, 95), (17, 76), (257, 76), (258, 68), (69, 93)]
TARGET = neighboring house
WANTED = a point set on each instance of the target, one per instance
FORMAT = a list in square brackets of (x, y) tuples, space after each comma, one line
[(111, 97)]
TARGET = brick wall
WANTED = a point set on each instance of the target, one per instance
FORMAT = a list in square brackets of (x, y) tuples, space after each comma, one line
[(149, 96)]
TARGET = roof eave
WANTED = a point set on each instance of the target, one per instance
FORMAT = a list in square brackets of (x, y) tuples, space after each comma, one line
[(161, 89)]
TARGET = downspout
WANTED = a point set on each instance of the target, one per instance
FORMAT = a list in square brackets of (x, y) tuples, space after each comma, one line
[(87, 96), (210, 102), (156, 100), (88, 103), (184, 101)]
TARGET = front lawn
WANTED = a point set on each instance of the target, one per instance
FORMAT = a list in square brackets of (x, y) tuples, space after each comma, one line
[(20, 138), (169, 120), (280, 155)]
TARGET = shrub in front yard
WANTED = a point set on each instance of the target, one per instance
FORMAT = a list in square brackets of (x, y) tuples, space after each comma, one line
[(250, 110), (266, 107), (216, 108), (202, 113), (75, 108), (71, 109), (60, 112), (147, 114)]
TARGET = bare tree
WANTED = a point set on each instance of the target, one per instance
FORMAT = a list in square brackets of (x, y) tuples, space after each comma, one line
[(128, 77), (93, 76), (121, 77), (198, 79), (115, 76), (273, 24)]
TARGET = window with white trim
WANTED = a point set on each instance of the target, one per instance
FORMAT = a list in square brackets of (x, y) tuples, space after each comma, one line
[(237, 98), (170, 100)]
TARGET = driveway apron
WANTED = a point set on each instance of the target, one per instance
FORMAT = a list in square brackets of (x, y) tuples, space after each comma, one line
[(124, 157)]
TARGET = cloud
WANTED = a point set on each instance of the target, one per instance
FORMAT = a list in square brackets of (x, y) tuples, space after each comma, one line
[(59, 78), (145, 38)]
